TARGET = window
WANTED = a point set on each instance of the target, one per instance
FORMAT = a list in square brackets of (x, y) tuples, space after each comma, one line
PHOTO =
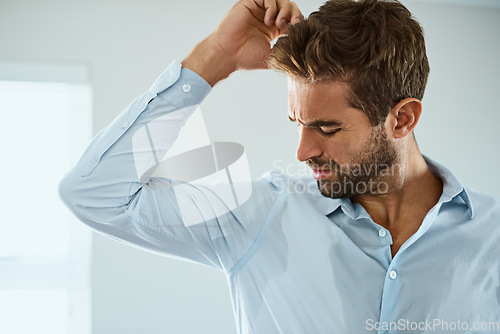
[(44, 252)]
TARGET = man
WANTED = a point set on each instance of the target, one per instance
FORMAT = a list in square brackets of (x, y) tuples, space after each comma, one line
[(388, 242)]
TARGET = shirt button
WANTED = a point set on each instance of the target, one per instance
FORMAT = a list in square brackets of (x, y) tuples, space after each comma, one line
[(186, 88), (393, 274), (382, 233), (124, 125)]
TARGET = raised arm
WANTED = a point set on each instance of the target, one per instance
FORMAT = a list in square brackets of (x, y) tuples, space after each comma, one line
[(111, 189)]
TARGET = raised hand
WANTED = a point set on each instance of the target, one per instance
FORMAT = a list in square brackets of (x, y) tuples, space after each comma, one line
[(242, 39)]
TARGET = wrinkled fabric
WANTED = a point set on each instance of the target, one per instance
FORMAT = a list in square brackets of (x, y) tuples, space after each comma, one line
[(295, 261)]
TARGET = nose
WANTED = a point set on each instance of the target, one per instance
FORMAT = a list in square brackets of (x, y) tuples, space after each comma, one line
[(309, 145)]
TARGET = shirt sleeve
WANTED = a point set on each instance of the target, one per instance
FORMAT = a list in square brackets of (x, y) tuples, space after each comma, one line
[(112, 190)]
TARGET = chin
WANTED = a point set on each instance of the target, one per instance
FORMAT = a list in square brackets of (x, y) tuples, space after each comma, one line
[(331, 189)]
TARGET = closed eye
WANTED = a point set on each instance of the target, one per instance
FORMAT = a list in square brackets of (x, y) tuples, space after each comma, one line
[(325, 131), (328, 132)]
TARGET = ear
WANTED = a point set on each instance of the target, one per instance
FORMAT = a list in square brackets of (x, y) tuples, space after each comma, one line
[(403, 117)]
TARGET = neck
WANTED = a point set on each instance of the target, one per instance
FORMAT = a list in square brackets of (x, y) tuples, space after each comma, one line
[(412, 191)]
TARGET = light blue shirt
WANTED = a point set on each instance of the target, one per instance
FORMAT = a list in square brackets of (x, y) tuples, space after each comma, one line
[(296, 262)]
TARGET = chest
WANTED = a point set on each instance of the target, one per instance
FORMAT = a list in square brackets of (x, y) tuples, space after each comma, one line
[(321, 275)]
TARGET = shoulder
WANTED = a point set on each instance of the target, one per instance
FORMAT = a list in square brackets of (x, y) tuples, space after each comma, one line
[(483, 203), (485, 212)]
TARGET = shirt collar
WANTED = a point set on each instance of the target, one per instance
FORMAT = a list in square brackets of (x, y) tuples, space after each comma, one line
[(327, 206), (452, 190), (452, 187)]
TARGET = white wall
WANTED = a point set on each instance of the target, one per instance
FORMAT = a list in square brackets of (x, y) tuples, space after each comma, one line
[(127, 43)]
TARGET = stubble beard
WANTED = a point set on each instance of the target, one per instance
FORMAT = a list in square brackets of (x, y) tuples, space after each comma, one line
[(370, 172)]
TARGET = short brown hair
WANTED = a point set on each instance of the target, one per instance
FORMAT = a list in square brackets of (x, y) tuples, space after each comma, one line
[(377, 47)]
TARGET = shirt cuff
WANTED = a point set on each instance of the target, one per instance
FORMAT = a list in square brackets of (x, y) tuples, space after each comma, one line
[(187, 88)]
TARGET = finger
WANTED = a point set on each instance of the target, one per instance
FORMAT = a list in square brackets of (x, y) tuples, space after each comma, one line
[(296, 14), (271, 12), (284, 14)]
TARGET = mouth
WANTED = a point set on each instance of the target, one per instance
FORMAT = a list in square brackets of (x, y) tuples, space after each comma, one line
[(320, 174)]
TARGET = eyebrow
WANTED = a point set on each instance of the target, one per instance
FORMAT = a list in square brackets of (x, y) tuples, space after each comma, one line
[(317, 123)]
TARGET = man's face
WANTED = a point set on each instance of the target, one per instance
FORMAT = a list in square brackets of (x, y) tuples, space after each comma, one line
[(348, 156)]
